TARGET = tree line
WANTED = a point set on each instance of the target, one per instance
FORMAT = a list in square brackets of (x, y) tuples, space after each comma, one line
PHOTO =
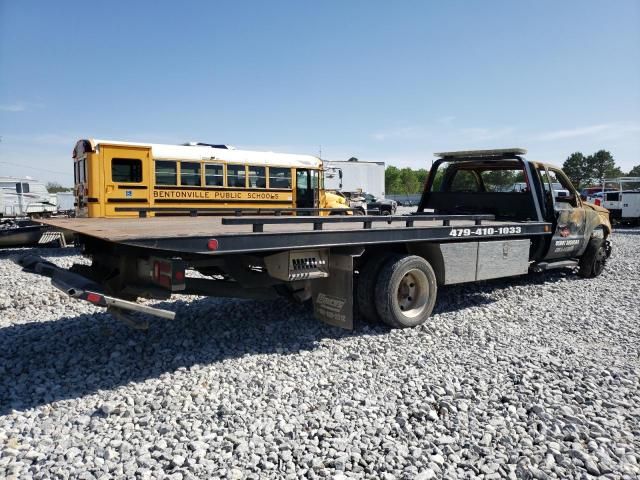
[(55, 187), (582, 171), (404, 181)]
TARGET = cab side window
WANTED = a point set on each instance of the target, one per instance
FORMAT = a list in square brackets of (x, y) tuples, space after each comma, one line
[(563, 190), (125, 170)]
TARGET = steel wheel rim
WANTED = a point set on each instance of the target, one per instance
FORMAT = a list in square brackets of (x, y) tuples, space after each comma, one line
[(413, 293)]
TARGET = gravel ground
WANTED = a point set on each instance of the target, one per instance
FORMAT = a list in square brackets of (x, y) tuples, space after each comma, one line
[(534, 377)]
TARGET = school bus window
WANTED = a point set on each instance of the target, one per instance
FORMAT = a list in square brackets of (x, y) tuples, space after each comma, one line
[(166, 173), (257, 177), (279, 177), (125, 170), (75, 172), (190, 174), (236, 176), (213, 175)]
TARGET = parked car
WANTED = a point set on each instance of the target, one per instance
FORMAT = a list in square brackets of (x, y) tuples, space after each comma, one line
[(381, 205)]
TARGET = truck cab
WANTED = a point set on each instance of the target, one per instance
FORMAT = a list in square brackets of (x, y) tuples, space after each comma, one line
[(510, 187)]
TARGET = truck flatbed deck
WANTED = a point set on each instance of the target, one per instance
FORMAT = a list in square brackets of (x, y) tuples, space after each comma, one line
[(246, 234)]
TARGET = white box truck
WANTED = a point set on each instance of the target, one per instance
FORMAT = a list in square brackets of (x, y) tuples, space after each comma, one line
[(353, 176)]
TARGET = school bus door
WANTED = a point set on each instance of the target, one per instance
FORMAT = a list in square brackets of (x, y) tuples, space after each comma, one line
[(127, 176), (307, 188)]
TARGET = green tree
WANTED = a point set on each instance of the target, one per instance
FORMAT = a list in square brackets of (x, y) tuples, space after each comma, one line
[(392, 179), (577, 169), (409, 181), (635, 171), (421, 175), (602, 165), (55, 187)]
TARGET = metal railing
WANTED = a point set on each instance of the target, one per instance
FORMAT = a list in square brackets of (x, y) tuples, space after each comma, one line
[(367, 221)]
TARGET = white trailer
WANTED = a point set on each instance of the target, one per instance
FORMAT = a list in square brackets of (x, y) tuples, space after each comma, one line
[(355, 176), (24, 197)]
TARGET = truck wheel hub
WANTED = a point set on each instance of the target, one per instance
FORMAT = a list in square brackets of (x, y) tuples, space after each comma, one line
[(413, 293)]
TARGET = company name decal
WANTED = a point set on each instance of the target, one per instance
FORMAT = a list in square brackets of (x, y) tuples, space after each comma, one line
[(331, 307), (221, 195)]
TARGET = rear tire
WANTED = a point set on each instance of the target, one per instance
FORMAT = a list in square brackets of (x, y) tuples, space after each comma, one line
[(406, 291), (594, 258), (366, 289)]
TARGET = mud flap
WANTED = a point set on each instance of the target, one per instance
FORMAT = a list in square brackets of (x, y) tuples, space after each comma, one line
[(333, 296)]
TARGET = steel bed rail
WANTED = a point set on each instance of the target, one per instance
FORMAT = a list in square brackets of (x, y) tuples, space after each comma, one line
[(367, 221)]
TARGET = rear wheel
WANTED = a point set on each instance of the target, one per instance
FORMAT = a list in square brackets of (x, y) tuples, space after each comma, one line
[(593, 259), (366, 289), (405, 291)]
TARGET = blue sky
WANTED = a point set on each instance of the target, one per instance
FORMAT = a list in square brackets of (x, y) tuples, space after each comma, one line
[(390, 81)]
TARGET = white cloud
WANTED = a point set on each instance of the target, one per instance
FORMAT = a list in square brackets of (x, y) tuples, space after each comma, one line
[(603, 131), (443, 130), (14, 107), (405, 133), (483, 134), (446, 120), (20, 106)]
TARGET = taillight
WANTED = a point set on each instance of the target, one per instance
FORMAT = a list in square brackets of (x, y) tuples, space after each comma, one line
[(94, 298), (168, 273), (597, 202), (162, 273), (212, 244)]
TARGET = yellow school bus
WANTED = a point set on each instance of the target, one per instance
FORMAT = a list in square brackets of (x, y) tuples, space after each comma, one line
[(122, 179)]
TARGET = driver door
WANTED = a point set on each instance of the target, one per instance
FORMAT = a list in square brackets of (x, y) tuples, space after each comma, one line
[(564, 208)]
